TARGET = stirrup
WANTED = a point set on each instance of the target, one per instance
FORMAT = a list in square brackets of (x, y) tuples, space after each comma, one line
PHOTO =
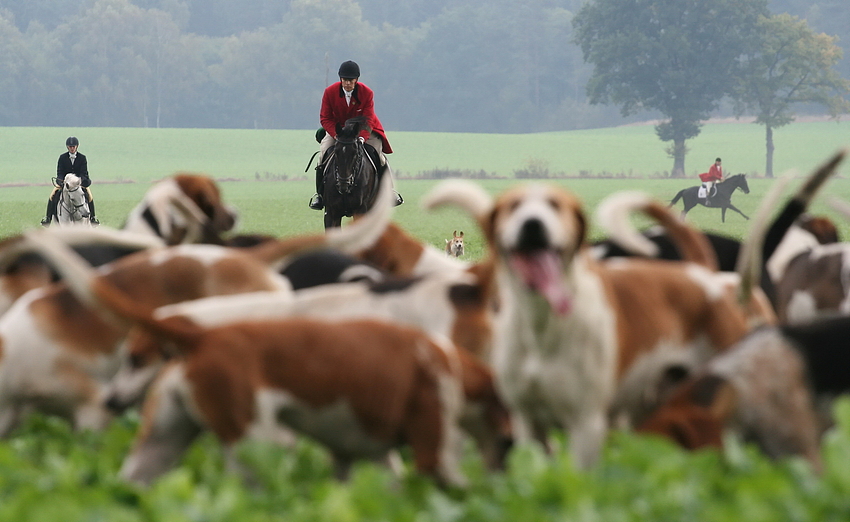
[(45, 222), (316, 202), (93, 221), (398, 199)]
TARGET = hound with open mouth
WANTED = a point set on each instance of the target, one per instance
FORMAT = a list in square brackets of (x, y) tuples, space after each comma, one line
[(572, 329)]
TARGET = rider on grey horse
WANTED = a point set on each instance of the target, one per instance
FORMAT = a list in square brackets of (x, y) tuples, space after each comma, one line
[(343, 100), (70, 162)]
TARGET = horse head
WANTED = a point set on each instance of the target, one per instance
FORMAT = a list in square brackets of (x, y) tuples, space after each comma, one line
[(72, 182), (742, 182), (349, 153), (73, 198)]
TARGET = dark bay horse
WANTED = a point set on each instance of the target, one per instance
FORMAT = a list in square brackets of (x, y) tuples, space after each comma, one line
[(350, 176), (722, 198)]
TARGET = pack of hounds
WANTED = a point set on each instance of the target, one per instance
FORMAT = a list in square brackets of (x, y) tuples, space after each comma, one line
[(366, 340)]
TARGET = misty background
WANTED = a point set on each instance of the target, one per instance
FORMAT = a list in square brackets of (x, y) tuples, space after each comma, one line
[(435, 65)]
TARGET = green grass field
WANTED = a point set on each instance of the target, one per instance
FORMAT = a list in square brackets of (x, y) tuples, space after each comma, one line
[(280, 207), (29, 153), (255, 158)]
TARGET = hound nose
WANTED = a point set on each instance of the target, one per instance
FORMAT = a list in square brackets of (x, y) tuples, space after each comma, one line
[(532, 236), (115, 405)]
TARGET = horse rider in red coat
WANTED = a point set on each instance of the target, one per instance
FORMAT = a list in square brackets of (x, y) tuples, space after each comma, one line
[(346, 99), (714, 175)]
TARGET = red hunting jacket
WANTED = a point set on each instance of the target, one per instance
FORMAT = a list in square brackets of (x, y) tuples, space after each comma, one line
[(715, 173), (335, 111)]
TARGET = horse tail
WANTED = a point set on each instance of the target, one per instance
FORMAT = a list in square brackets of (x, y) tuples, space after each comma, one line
[(613, 215), (798, 204), (360, 235), (104, 297), (677, 198)]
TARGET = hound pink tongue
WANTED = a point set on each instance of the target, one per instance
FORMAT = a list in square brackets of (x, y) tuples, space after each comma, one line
[(541, 271)]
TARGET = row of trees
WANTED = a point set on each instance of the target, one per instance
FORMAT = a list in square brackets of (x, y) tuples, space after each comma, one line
[(439, 65), (508, 66)]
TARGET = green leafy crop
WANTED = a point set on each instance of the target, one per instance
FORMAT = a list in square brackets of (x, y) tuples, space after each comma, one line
[(48, 472)]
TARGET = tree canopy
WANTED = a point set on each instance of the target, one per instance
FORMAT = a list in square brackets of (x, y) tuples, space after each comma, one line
[(508, 66), (791, 65), (677, 57)]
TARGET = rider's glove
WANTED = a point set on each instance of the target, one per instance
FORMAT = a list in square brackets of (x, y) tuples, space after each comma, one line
[(362, 140)]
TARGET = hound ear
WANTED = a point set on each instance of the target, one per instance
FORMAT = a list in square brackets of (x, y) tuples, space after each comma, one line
[(582, 226), (461, 233), (454, 233), (715, 394)]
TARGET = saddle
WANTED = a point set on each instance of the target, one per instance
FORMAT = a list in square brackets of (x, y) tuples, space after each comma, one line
[(374, 156), (703, 191)]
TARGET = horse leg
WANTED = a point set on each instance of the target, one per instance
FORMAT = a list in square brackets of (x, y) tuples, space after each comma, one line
[(331, 221), (723, 214), (687, 207), (733, 207)]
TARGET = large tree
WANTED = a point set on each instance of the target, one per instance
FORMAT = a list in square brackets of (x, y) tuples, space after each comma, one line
[(677, 57), (792, 65)]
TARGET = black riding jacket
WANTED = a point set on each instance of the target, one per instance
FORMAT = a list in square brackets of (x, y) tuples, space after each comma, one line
[(80, 167)]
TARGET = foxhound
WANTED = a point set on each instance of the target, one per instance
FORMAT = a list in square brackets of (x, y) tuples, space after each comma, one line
[(571, 329), (185, 208), (358, 387)]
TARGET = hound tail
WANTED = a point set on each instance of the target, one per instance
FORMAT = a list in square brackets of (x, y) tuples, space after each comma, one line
[(359, 235), (762, 241), (465, 195), (614, 214), (102, 296), (11, 249), (750, 259), (798, 204)]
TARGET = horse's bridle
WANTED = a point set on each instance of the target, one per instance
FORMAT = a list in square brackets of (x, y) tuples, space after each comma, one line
[(345, 184), (76, 208)]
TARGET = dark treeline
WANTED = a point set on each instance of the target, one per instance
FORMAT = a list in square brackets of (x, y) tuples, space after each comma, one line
[(436, 65)]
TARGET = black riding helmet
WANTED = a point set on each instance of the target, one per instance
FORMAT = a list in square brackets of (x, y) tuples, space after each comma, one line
[(72, 142), (349, 69)]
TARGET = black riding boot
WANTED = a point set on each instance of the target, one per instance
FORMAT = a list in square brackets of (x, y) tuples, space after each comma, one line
[(92, 219), (51, 211), (383, 170), (316, 202)]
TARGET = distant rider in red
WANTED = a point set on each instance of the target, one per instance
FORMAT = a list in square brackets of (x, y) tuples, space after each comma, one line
[(714, 175)]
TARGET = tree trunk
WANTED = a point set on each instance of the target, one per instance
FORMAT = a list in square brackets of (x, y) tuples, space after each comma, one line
[(678, 158), (768, 168)]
